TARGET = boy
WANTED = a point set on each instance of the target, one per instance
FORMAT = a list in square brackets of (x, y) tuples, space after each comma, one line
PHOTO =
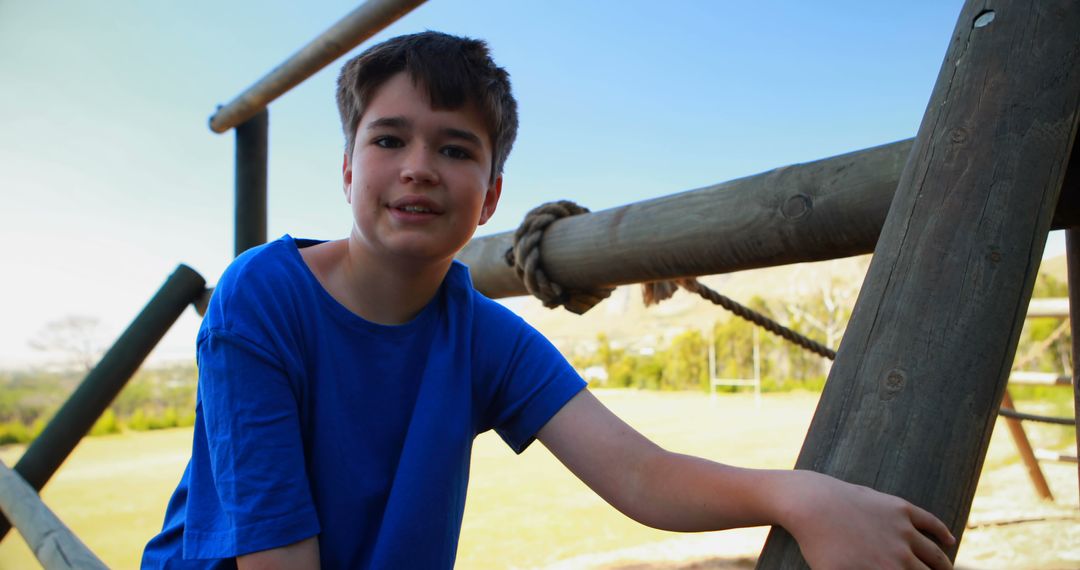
[(342, 382)]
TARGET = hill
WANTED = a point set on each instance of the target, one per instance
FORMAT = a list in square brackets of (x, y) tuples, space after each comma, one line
[(625, 320)]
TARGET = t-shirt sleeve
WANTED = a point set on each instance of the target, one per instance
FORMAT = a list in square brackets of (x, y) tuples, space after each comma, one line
[(249, 489), (534, 382)]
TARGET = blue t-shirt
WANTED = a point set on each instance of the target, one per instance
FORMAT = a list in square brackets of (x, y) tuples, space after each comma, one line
[(313, 421)]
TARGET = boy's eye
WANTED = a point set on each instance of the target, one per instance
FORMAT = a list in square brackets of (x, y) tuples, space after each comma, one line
[(456, 153), (388, 142)]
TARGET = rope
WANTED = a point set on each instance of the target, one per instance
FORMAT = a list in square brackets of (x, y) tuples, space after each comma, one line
[(1011, 413), (663, 289), (525, 257)]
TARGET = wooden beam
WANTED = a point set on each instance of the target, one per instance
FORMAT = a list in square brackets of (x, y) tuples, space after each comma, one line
[(365, 21), (806, 212), (910, 403), (819, 210), (52, 543)]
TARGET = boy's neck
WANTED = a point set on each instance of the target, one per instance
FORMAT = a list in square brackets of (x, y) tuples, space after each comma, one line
[(378, 290)]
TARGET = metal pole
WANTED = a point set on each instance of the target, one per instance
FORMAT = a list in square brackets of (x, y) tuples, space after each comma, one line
[(104, 382), (1072, 256), (252, 142), (347, 33)]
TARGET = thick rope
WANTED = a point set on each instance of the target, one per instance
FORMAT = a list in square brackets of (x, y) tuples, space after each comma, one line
[(659, 290), (525, 258)]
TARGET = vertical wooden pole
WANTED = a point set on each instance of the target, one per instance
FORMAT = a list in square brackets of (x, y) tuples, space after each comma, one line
[(1072, 257), (911, 400), (252, 142)]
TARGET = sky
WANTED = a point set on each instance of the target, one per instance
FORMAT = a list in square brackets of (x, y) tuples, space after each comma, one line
[(110, 177)]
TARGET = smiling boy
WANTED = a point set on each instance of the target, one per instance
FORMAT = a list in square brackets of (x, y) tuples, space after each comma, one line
[(342, 382)]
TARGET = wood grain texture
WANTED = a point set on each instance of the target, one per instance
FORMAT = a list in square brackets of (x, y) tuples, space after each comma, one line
[(911, 400), (826, 209), (1072, 252)]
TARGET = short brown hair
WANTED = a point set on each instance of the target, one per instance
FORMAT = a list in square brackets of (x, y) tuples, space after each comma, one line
[(454, 70)]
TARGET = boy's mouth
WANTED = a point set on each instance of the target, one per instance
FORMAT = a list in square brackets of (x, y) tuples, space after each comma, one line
[(415, 205)]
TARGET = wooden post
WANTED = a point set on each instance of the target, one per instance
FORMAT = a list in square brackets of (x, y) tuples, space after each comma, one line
[(1072, 252), (1027, 454), (52, 543), (911, 400), (252, 152)]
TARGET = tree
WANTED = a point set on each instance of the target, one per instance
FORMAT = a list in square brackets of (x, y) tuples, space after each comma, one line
[(75, 339)]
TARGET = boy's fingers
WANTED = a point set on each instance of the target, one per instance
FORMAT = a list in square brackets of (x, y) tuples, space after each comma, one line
[(928, 523), (930, 554)]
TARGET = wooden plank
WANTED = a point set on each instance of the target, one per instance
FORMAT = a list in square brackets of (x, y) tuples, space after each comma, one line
[(52, 543), (910, 403)]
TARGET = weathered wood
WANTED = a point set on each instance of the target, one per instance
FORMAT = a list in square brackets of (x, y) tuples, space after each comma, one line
[(1072, 258), (825, 209), (360, 24), (910, 403), (54, 545), (808, 212)]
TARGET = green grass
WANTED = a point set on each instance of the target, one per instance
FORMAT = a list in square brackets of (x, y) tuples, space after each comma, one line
[(522, 511)]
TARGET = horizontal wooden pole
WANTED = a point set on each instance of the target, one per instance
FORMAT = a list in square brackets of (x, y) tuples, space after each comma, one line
[(826, 209), (1048, 455), (54, 545), (1039, 378), (1048, 307), (359, 25)]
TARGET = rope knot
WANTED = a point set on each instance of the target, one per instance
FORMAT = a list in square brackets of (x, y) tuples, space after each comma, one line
[(525, 258)]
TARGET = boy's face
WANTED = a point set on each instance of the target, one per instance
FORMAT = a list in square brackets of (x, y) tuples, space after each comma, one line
[(418, 180)]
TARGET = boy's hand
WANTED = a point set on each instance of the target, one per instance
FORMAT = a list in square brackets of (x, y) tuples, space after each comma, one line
[(839, 525)]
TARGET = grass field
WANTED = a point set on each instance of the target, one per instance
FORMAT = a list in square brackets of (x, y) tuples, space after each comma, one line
[(523, 511)]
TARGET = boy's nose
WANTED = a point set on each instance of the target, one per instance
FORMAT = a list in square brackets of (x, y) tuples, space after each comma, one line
[(419, 167)]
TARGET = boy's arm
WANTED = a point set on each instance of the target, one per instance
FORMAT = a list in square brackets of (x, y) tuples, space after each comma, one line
[(837, 524), (299, 555)]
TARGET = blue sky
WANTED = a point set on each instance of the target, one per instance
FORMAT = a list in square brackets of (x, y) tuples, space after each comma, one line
[(110, 176)]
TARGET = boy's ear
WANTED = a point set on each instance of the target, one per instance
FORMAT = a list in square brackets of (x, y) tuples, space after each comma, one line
[(491, 200), (346, 177)]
